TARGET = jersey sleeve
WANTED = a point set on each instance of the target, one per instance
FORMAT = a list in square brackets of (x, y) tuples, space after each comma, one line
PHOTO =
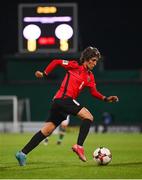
[(93, 89), (63, 63)]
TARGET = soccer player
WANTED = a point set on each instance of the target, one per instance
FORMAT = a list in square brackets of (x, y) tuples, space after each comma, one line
[(62, 131), (78, 76)]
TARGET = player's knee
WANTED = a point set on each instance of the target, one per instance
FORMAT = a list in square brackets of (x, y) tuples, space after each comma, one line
[(88, 117), (85, 114), (63, 126), (48, 128), (91, 118), (45, 133)]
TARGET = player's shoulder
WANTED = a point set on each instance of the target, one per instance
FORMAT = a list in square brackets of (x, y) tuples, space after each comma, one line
[(72, 63)]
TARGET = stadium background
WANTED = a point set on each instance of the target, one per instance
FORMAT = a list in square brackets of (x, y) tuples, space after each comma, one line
[(114, 28)]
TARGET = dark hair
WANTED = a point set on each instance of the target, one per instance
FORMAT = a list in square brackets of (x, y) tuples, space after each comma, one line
[(89, 53)]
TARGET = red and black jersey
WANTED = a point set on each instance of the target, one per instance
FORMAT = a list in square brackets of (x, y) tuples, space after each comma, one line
[(75, 80)]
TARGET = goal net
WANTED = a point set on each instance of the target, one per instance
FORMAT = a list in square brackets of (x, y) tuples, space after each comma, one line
[(11, 113)]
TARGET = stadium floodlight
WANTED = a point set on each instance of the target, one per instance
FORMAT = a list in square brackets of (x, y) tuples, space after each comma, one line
[(64, 32), (15, 110), (31, 33)]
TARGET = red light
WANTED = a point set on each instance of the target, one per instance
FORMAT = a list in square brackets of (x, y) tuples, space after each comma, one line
[(46, 40)]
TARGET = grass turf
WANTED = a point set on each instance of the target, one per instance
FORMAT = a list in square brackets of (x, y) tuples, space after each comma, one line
[(59, 162)]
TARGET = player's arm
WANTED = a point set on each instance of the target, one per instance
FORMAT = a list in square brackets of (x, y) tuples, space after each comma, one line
[(51, 66), (111, 99), (98, 95), (39, 74), (94, 92), (57, 62)]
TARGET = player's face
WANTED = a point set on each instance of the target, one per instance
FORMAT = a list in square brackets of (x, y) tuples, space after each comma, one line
[(92, 63)]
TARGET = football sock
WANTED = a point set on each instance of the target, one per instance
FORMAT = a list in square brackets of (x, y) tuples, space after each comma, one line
[(61, 133), (83, 132), (36, 139)]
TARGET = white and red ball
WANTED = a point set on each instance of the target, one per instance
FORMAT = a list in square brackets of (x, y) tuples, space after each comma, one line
[(102, 156)]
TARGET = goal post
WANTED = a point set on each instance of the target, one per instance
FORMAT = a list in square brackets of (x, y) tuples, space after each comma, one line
[(14, 100)]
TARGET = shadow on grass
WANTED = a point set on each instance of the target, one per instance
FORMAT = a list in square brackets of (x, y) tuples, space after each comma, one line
[(127, 164), (51, 165), (39, 165), (121, 164)]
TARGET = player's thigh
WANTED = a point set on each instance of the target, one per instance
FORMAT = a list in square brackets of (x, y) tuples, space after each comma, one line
[(85, 114), (56, 114)]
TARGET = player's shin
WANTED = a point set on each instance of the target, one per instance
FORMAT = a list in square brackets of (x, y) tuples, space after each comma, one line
[(83, 132), (36, 139)]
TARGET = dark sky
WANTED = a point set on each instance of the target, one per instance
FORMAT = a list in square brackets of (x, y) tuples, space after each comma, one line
[(114, 27)]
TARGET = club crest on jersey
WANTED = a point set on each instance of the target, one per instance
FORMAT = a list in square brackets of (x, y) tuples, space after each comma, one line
[(65, 62), (88, 79)]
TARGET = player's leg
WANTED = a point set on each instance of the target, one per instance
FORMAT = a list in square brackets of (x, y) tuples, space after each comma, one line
[(71, 106), (46, 140), (87, 118), (54, 120), (62, 129), (45, 131)]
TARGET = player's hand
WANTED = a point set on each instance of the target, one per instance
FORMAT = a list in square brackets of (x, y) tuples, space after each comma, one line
[(112, 99), (39, 74)]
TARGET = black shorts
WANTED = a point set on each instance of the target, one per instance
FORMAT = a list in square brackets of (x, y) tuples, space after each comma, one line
[(60, 108)]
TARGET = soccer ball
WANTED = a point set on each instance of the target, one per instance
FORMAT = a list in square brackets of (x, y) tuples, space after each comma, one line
[(102, 156)]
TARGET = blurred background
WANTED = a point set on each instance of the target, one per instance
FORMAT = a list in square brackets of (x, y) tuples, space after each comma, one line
[(114, 27)]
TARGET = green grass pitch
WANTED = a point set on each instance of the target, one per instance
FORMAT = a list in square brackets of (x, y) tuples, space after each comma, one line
[(59, 162)]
